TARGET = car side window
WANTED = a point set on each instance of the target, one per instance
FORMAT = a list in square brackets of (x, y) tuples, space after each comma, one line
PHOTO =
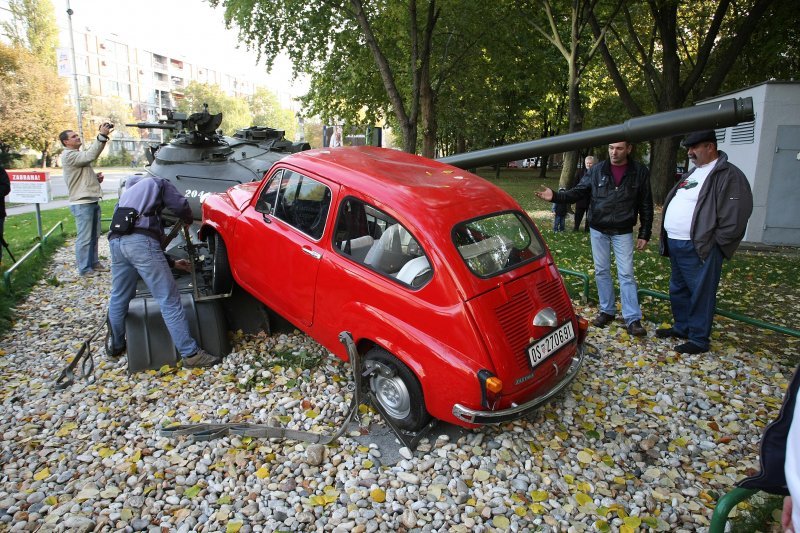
[(266, 200), (369, 236), (302, 202)]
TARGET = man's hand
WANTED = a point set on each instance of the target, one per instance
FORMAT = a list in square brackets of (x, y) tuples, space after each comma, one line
[(545, 194), (183, 264), (105, 128), (641, 244), (786, 516), (100, 177)]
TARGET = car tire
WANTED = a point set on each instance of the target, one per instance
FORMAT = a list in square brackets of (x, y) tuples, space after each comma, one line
[(221, 277), (397, 390)]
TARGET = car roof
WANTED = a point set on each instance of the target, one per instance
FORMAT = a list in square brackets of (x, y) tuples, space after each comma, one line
[(419, 188)]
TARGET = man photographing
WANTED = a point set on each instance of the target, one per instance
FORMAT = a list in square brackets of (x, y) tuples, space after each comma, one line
[(85, 194)]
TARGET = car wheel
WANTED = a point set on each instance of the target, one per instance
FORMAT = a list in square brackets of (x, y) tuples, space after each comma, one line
[(397, 390), (221, 277)]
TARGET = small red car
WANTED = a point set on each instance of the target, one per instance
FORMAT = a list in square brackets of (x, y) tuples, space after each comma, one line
[(444, 282)]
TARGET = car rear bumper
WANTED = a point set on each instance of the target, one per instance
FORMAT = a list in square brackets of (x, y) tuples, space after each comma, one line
[(473, 416)]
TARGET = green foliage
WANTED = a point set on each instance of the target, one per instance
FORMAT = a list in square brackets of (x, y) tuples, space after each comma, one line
[(267, 111), (236, 114), (120, 159), (33, 27), (33, 108)]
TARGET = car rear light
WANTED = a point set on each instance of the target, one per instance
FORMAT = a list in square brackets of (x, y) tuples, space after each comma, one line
[(583, 328), (491, 386)]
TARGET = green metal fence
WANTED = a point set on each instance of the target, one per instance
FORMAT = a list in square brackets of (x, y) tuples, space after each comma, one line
[(37, 247)]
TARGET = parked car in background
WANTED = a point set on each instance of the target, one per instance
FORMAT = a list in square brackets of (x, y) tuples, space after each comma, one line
[(443, 280)]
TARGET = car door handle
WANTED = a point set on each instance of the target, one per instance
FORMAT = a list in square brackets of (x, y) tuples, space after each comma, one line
[(312, 253)]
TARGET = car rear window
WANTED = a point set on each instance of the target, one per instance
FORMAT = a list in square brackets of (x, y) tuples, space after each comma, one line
[(496, 243)]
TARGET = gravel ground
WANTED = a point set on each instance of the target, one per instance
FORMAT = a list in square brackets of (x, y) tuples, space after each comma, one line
[(645, 439)]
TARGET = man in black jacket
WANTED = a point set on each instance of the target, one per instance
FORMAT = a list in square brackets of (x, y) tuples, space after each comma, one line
[(5, 188), (618, 191)]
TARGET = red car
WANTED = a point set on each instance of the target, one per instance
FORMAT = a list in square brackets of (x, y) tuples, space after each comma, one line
[(444, 282)]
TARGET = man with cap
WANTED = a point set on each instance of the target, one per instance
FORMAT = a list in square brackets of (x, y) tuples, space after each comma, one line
[(705, 217)]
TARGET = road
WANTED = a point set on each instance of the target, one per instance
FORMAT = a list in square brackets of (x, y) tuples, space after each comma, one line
[(110, 185)]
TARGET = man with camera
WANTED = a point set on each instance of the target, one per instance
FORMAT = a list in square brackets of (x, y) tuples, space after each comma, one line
[(85, 194)]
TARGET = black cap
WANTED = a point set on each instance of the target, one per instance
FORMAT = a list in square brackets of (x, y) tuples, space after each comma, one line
[(698, 137)]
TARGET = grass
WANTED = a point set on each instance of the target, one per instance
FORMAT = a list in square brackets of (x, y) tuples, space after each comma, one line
[(22, 234)]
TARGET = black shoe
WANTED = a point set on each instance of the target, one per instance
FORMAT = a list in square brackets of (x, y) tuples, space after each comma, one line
[(690, 348), (116, 352), (636, 329), (602, 320), (667, 333)]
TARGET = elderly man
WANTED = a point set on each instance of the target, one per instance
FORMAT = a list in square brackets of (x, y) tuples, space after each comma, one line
[(84, 196), (705, 217), (619, 192)]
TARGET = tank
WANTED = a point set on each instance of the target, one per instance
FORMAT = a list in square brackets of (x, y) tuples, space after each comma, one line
[(199, 161)]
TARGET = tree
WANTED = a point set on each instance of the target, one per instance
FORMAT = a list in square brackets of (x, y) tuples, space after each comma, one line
[(678, 52), (33, 27), (33, 109), (367, 59), (97, 110), (267, 111), (565, 25), (236, 114)]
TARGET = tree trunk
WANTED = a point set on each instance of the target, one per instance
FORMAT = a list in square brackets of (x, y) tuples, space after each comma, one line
[(662, 167)]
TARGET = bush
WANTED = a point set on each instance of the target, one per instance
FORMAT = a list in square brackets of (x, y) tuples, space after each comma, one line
[(120, 159), (25, 161)]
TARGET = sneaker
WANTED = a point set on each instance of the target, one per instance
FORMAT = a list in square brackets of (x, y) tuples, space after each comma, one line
[(666, 333), (636, 329), (690, 348), (88, 274), (200, 359), (100, 267), (602, 320), (116, 352)]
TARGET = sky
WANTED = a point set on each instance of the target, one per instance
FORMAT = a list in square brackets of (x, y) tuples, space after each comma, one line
[(188, 28)]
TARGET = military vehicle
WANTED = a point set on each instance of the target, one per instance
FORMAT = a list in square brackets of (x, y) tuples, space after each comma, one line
[(199, 160)]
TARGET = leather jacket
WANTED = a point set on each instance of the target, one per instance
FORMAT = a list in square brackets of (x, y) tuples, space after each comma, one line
[(615, 210)]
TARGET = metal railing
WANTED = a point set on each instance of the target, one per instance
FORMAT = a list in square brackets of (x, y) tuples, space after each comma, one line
[(732, 315), (28, 254), (583, 276), (656, 294)]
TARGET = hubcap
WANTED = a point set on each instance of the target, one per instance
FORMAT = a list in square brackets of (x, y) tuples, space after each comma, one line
[(393, 395)]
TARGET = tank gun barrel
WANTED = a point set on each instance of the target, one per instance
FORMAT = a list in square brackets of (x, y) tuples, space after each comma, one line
[(706, 116), (153, 125)]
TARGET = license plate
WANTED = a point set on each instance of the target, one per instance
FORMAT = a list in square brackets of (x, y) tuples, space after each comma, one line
[(539, 351)]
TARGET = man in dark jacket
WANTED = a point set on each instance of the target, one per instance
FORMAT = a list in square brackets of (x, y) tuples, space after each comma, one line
[(619, 193), (705, 217), (139, 253), (5, 189)]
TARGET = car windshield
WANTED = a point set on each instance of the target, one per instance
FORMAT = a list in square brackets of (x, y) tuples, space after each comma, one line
[(496, 243)]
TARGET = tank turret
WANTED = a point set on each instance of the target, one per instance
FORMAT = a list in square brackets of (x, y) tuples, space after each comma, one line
[(706, 116), (199, 160)]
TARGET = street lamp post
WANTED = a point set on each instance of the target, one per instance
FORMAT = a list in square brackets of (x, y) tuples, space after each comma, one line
[(74, 71)]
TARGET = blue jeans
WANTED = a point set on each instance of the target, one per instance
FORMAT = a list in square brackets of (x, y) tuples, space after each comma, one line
[(139, 255), (622, 245), (87, 222), (693, 290), (558, 223)]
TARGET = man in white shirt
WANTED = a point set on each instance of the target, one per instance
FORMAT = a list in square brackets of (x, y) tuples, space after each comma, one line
[(705, 217)]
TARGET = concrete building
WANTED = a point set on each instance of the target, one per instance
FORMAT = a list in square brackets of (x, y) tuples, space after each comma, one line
[(768, 152)]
